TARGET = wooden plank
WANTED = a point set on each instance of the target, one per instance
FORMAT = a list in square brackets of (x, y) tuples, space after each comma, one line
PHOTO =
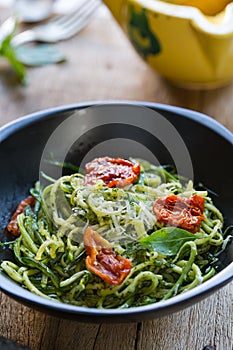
[(192, 328), (116, 337)]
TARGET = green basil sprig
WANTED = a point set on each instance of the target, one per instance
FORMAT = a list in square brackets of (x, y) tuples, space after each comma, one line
[(25, 55), (8, 51), (168, 240)]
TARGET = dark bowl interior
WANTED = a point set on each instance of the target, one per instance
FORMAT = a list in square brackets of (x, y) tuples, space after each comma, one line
[(210, 146)]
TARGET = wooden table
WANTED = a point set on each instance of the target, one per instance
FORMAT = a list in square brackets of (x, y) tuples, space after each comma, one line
[(101, 66)]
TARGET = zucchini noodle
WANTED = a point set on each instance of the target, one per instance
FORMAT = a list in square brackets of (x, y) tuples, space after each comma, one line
[(50, 254)]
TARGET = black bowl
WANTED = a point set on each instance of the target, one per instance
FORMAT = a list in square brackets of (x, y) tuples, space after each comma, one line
[(208, 143)]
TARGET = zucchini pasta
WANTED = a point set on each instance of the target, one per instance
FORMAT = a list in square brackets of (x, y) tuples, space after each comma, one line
[(135, 238)]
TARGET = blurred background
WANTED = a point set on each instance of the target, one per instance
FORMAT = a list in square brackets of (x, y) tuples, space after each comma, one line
[(101, 64)]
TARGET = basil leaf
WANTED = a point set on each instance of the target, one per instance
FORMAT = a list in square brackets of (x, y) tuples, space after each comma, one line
[(8, 51), (167, 240), (39, 55)]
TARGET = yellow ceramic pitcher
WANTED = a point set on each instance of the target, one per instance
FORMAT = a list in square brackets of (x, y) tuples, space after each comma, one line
[(182, 43)]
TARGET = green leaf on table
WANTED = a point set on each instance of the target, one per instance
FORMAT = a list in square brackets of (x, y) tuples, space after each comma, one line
[(39, 55), (168, 240), (8, 51)]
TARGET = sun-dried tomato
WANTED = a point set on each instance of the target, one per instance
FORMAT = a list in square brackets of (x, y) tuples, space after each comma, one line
[(13, 227), (114, 172), (103, 261), (186, 213)]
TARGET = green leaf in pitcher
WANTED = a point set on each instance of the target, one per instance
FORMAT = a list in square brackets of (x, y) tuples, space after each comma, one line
[(141, 35)]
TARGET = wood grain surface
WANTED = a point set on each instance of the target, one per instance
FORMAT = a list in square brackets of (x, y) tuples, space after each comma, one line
[(102, 65)]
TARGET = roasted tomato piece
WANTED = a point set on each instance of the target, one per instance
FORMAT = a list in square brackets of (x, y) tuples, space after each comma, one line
[(103, 261), (186, 213), (13, 227), (114, 172)]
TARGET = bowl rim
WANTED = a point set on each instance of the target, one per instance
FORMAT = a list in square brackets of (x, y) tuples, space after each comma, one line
[(196, 17), (180, 301), (11, 127)]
